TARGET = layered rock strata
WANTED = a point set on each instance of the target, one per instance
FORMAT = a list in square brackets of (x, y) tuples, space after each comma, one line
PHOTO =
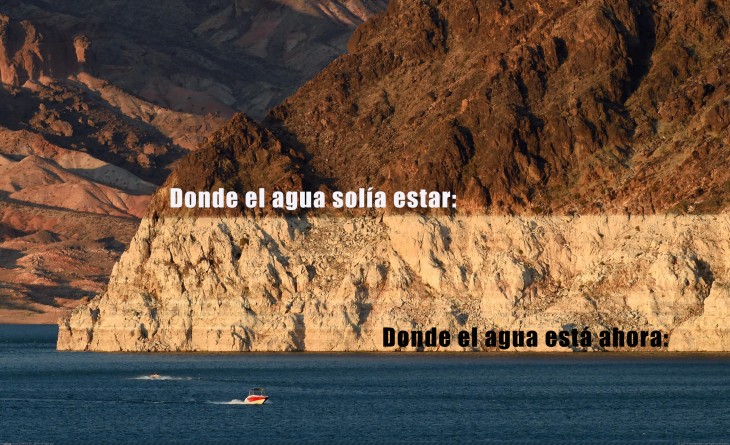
[(332, 284)]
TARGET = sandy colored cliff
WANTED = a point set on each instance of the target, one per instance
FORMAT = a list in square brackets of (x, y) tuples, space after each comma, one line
[(332, 284)]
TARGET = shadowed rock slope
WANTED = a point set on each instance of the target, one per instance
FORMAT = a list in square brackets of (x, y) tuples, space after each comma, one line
[(211, 56)]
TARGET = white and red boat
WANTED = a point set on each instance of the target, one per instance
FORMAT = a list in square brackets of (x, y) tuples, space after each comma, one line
[(256, 396)]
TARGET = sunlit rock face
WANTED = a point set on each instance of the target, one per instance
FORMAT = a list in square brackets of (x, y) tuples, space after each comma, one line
[(99, 98), (332, 284)]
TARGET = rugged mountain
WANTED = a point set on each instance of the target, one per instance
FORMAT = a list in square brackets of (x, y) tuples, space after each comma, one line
[(213, 56), (28, 53), (69, 140), (100, 98), (577, 134), (528, 105)]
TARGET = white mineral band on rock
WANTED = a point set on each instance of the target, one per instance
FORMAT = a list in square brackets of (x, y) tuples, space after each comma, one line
[(332, 283)]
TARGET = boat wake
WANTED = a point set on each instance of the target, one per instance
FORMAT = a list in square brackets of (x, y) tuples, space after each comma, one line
[(230, 402), (160, 377)]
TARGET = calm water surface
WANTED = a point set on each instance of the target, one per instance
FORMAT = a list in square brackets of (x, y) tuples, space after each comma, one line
[(53, 397)]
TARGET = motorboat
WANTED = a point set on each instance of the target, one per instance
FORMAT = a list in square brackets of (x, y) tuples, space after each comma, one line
[(256, 396), (154, 376)]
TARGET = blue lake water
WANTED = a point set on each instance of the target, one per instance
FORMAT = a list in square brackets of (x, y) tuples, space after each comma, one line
[(60, 397)]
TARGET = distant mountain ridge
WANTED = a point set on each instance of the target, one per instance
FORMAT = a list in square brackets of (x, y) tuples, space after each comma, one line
[(213, 56)]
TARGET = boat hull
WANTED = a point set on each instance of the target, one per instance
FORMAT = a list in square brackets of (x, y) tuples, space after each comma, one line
[(255, 400)]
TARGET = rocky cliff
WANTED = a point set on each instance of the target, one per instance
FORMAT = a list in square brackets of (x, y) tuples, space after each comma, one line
[(585, 140), (332, 284), (528, 106)]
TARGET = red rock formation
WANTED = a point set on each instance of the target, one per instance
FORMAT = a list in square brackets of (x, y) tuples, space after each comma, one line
[(29, 52), (82, 45), (528, 106), (101, 144)]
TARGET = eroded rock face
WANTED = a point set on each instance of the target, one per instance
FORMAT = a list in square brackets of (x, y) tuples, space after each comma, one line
[(75, 151), (29, 53), (528, 106), (531, 112), (332, 284)]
